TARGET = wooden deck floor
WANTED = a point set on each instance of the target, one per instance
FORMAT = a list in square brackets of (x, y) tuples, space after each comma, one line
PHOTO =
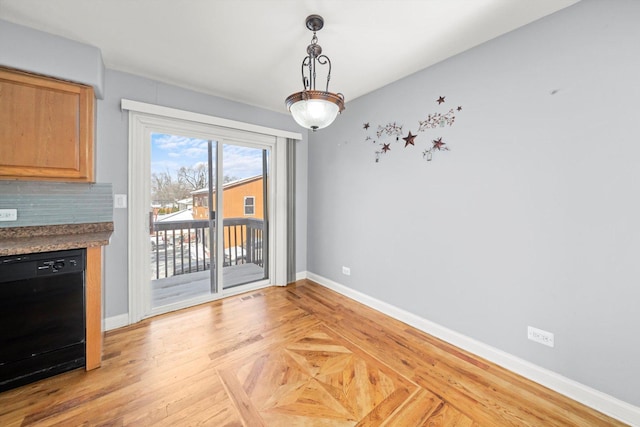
[(295, 356), (180, 288)]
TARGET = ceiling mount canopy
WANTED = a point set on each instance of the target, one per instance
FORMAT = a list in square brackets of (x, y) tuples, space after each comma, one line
[(311, 108)]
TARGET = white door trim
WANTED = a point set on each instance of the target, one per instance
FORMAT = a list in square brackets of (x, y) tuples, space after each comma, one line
[(141, 124), (159, 110)]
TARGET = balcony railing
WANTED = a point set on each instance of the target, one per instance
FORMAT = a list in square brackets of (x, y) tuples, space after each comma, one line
[(182, 247)]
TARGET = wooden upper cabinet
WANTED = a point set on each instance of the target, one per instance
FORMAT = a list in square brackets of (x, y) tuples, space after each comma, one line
[(46, 128)]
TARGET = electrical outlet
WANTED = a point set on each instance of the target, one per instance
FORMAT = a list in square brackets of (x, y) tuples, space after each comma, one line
[(8, 214), (540, 336), (346, 271)]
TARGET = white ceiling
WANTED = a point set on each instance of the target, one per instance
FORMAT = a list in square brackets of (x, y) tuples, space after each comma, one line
[(251, 50)]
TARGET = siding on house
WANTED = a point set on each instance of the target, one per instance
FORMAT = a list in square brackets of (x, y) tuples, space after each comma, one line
[(233, 195)]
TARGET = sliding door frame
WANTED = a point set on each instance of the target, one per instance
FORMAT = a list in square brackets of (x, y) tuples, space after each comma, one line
[(146, 118)]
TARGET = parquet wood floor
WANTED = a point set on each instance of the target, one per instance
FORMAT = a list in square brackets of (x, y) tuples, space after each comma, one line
[(295, 356)]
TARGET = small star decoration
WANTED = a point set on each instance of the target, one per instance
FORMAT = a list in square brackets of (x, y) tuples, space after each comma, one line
[(440, 100), (385, 148), (438, 144), (460, 108), (366, 126), (409, 139)]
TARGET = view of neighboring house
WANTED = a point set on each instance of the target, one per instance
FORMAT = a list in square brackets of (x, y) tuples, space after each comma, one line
[(186, 203), (242, 198), (243, 215)]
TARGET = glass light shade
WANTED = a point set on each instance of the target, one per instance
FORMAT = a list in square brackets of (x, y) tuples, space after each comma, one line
[(315, 109)]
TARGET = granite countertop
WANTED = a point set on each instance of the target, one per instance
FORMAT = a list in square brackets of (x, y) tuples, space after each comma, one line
[(45, 238)]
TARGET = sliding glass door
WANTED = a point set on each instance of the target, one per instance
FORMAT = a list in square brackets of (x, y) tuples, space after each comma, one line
[(209, 217), (203, 219)]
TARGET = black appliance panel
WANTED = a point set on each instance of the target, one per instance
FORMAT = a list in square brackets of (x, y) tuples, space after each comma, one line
[(42, 315)]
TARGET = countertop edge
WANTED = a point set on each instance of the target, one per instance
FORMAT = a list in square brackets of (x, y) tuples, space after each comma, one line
[(35, 239)]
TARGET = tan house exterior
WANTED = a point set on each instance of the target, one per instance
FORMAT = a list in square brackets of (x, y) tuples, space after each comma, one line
[(238, 197), (241, 199)]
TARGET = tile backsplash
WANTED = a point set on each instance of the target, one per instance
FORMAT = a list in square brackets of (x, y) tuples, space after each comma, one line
[(52, 203)]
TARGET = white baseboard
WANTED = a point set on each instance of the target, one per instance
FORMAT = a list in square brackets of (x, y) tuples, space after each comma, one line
[(595, 399), (115, 322), (301, 275)]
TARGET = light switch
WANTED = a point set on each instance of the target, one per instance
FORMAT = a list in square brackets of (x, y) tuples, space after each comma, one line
[(120, 201)]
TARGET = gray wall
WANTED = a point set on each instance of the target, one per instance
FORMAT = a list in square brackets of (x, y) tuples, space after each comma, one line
[(38, 52), (112, 161), (530, 219)]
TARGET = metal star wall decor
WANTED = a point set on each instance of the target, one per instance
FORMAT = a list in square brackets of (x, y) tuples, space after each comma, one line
[(438, 144), (409, 139), (395, 131)]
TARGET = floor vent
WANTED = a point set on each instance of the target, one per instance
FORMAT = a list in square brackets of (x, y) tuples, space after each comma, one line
[(248, 297)]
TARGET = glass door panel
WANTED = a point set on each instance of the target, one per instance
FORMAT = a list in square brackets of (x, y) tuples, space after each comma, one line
[(182, 214), (189, 214), (244, 215)]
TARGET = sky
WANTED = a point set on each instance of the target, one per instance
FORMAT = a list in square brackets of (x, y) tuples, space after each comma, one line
[(170, 152)]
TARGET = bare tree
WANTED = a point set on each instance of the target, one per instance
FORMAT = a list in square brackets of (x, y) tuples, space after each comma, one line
[(193, 177), (196, 177), (165, 190)]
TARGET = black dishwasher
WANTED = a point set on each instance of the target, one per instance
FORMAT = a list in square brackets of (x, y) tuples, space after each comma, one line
[(42, 315)]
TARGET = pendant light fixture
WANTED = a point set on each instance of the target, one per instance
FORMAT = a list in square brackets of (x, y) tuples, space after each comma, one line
[(311, 108)]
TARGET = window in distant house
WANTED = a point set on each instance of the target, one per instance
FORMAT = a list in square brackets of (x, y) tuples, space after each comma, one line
[(249, 205)]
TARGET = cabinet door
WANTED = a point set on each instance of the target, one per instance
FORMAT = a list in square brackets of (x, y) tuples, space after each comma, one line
[(46, 128)]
